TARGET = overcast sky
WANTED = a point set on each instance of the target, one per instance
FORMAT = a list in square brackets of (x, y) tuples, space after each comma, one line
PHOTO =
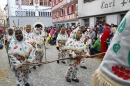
[(3, 3)]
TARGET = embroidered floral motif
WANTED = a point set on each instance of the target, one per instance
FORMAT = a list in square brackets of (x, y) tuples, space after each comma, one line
[(121, 72)]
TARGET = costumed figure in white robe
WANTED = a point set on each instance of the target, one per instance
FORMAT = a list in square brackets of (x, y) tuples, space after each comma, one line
[(39, 45), (76, 50), (28, 34), (19, 52), (60, 42)]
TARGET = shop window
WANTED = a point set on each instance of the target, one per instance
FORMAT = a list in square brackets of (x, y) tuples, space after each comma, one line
[(86, 22), (88, 1), (122, 16), (101, 20), (73, 24)]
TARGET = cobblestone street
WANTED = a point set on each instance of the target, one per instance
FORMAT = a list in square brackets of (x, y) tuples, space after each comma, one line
[(52, 74)]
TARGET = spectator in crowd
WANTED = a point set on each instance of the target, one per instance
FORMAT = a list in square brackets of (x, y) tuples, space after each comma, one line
[(113, 31), (99, 34), (95, 48), (69, 31), (112, 25), (53, 39), (52, 31), (104, 37), (92, 35)]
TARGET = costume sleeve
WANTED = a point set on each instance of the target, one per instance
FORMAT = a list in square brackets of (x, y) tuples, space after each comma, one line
[(14, 62), (72, 53), (57, 44), (85, 51), (32, 56)]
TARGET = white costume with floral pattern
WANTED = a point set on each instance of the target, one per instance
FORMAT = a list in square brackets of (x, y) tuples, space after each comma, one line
[(61, 37), (39, 46), (28, 36), (19, 52), (74, 45)]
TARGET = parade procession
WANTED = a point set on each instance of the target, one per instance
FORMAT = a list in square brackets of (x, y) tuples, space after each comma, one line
[(65, 43)]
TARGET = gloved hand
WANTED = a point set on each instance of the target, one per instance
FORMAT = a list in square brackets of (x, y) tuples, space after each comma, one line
[(57, 48), (88, 56), (29, 61), (18, 65)]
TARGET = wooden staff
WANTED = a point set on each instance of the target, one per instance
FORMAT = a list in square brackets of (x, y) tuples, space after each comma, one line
[(14, 23), (46, 62), (18, 22)]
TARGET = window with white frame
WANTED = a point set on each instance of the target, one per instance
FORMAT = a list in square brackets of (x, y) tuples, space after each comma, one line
[(25, 13), (65, 11), (45, 2), (44, 14), (24, 2), (53, 15), (57, 14), (53, 3), (16, 2), (61, 12), (27, 2), (49, 3), (41, 2), (57, 1), (70, 9)]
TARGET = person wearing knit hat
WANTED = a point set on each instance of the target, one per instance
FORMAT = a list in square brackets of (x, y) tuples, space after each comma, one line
[(115, 67)]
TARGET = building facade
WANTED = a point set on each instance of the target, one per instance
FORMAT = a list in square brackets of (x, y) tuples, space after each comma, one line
[(63, 12), (110, 11), (28, 11)]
